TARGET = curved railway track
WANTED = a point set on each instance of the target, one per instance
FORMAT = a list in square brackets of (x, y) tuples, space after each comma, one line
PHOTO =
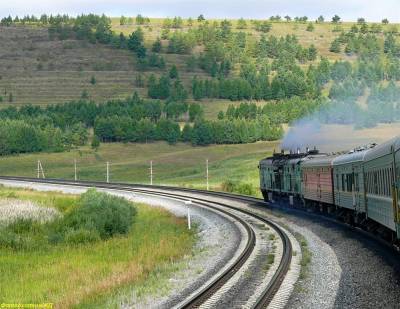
[(184, 194)]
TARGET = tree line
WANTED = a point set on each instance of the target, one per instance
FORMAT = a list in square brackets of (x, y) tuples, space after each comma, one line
[(19, 136), (64, 126)]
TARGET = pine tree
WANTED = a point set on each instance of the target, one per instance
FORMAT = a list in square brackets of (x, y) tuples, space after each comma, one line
[(173, 72), (335, 46), (157, 46)]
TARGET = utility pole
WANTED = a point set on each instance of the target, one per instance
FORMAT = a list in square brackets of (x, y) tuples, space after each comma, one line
[(108, 172), (208, 187), (76, 176), (40, 170), (151, 172)]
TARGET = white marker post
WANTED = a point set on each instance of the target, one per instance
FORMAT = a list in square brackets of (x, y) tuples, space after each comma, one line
[(108, 172), (208, 187), (38, 169), (188, 203)]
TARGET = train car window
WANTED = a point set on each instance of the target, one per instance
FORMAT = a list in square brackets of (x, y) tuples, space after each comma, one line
[(387, 182), (356, 182), (375, 183), (371, 183), (349, 182), (379, 182), (383, 182), (342, 182), (337, 182)]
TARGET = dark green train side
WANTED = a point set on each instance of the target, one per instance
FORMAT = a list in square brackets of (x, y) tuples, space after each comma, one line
[(361, 187)]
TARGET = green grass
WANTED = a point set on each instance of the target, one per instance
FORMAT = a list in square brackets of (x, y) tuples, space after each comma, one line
[(96, 272), (306, 256), (181, 165)]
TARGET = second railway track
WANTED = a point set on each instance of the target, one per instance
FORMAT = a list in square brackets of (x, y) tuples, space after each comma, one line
[(205, 293)]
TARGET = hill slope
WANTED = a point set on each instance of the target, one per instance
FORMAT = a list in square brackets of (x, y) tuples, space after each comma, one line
[(37, 70)]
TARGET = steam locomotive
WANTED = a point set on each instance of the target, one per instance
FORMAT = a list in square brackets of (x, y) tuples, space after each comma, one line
[(360, 187)]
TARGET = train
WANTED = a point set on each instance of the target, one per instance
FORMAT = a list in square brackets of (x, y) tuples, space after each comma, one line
[(359, 187)]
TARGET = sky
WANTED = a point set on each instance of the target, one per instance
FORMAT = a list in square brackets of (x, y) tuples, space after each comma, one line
[(348, 10)]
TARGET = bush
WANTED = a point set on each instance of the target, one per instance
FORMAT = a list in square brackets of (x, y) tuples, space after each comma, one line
[(238, 187), (9, 239), (81, 236), (99, 213), (22, 234)]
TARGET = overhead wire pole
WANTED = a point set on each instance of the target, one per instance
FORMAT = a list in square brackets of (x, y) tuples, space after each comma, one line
[(41, 168), (151, 172), (108, 172), (208, 187), (76, 176)]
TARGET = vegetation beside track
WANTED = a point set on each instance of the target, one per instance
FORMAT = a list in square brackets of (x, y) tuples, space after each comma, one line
[(93, 271)]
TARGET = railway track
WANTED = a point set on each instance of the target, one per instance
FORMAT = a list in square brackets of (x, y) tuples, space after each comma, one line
[(206, 292)]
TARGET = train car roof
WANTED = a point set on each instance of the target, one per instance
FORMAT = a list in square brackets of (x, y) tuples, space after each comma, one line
[(356, 156), (319, 160), (383, 149), (295, 161)]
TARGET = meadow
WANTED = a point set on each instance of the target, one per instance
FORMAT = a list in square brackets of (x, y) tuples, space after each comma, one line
[(181, 164), (72, 275)]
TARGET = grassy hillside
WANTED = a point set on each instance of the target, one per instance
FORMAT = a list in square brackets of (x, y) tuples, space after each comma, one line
[(321, 36), (181, 165), (37, 70)]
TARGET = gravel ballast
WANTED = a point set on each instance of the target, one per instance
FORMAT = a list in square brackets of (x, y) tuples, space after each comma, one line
[(364, 272), (348, 269)]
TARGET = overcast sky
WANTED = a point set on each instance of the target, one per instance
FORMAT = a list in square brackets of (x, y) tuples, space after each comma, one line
[(349, 10)]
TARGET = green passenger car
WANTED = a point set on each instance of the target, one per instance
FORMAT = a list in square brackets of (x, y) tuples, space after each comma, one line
[(382, 172), (348, 179)]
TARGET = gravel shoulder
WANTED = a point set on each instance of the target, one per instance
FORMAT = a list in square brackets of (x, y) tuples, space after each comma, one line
[(348, 269)]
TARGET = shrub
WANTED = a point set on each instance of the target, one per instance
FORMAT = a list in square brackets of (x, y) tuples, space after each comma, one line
[(9, 239), (81, 236), (102, 213), (238, 187), (21, 235)]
